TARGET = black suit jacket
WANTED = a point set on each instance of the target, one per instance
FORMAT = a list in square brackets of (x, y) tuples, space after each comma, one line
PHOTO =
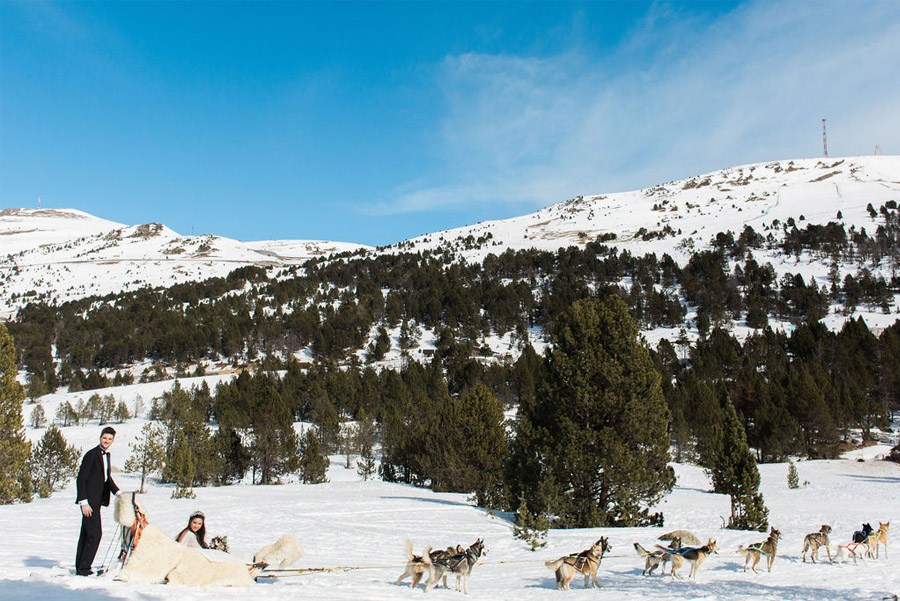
[(90, 483)]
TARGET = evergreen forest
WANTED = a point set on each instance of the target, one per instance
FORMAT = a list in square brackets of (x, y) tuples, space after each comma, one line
[(597, 414)]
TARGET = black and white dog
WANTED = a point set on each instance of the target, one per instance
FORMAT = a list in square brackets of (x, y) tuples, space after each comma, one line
[(460, 564)]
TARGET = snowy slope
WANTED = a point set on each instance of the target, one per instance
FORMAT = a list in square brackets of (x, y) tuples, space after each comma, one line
[(64, 254), (347, 522), (60, 255), (700, 207)]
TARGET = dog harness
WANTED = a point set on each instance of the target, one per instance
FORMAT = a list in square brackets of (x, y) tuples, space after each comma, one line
[(131, 536), (454, 562), (852, 547), (758, 548)]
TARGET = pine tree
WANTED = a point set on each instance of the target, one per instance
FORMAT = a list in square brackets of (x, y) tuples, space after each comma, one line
[(380, 346), (180, 469), (365, 464), (52, 462), (529, 527), (735, 473), (600, 423), (274, 442), (148, 452), (15, 450), (38, 418), (313, 461), (793, 477), (36, 387), (106, 409), (184, 418), (66, 414), (122, 414)]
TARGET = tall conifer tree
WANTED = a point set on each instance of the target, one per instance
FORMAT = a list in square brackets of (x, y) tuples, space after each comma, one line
[(15, 480), (735, 473), (53, 462), (600, 423)]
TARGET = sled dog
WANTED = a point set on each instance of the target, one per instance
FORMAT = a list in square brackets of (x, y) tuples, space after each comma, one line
[(687, 538), (696, 557), (418, 565), (285, 551), (852, 550), (814, 540), (753, 553), (879, 537), (586, 563), (460, 564), (658, 558)]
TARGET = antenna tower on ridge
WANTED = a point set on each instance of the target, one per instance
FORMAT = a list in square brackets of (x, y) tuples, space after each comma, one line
[(39, 202), (824, 139), (877, 150)]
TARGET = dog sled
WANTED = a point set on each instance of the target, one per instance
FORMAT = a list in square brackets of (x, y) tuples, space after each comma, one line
[(150, 556)]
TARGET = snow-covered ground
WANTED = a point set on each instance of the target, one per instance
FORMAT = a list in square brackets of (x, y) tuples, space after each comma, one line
[(363, 525)]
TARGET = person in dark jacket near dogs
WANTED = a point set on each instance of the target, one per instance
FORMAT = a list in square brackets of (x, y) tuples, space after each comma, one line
[(94, 487)]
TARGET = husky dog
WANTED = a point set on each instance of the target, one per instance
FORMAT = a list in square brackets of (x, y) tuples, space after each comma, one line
[(695, 556), (587, 562), (219, 543), (285, 551), (879, 537), (852, 550), (687, 538), (417, 565), (814, 540), (460, 564), (768, 548), (656, 558)]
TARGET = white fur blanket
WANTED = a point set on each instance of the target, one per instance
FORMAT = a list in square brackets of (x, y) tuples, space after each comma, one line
[(158, 558)]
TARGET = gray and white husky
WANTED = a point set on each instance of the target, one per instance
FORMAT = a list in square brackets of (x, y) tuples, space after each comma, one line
[(460, 564)]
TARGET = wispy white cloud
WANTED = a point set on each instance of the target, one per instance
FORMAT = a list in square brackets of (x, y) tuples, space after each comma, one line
[(677, 98)]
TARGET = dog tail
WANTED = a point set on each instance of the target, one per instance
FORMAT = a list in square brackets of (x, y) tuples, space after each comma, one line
[(743, 550), (554, 565), (409, 551), (641, 550), (426, 556)]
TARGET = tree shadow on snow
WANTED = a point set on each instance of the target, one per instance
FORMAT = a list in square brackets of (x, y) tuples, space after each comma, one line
[(875, 479), (747, 590), (427, 500)]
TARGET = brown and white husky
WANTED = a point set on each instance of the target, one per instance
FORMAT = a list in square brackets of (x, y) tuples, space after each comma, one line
[(695, 557), (754, 552), (586, 563), (658, 558)]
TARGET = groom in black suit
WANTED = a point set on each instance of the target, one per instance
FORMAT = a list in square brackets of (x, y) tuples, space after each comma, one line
[(94, 484)]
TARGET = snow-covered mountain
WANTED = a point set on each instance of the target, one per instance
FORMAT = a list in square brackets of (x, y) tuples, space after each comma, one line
[(64, 254), (59, 255), (681, 216)]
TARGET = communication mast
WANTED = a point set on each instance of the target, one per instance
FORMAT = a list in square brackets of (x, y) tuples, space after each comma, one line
[(824, 139), (877, 150)]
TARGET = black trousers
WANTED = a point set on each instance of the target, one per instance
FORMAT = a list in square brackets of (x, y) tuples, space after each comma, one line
[(88, 541)]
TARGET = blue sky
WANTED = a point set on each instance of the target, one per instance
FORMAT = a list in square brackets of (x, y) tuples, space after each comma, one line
[(374, 122)]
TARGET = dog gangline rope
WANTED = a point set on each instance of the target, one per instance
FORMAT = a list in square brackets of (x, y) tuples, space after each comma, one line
[(279, 572)]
